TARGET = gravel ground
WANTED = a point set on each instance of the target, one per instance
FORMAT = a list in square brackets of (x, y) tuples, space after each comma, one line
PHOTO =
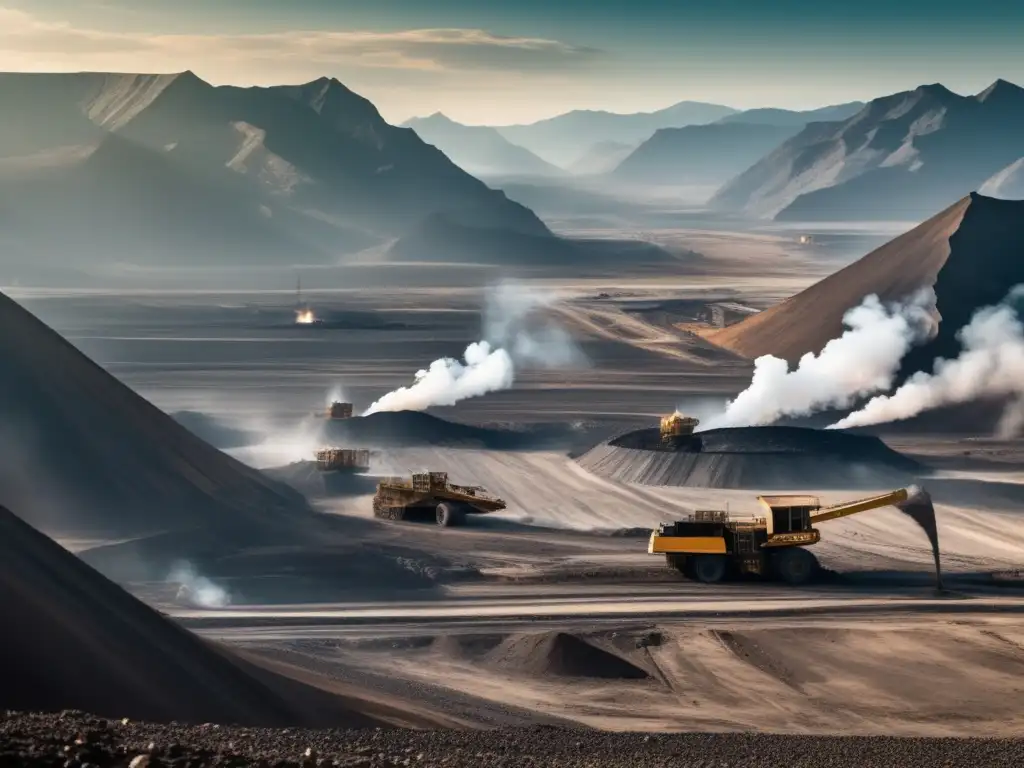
[(74, 740)]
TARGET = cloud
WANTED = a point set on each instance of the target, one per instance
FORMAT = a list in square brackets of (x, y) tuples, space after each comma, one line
[(27, 39)]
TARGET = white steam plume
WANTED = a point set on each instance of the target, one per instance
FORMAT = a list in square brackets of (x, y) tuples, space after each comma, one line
[(991, 363), (197, 590), (447, 381), (515, 337), (862, 361)]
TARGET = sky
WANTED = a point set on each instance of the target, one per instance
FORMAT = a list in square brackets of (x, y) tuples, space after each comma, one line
[(497, 62)]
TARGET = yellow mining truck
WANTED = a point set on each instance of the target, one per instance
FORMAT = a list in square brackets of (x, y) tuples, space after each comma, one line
[(429, 496), (709, 546), (677, 428), (343, 460)]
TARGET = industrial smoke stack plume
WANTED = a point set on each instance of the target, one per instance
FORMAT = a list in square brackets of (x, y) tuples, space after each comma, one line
[(861, 362), (515, 337)]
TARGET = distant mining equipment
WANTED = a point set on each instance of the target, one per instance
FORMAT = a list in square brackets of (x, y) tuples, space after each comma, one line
[(677, 433), (339, 411), (344, 470), (346, 460)]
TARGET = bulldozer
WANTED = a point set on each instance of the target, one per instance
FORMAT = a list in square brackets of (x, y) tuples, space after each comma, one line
[(343, 460), (430, 496), (710, 547)]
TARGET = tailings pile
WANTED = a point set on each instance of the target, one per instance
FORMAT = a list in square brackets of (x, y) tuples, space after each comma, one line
[(765, 458)]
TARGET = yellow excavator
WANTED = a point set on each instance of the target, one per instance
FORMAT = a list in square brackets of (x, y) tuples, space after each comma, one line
[(710, 546)]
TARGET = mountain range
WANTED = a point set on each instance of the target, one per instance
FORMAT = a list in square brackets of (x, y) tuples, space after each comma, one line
[(701, 154), (773, 116), (478, 149), (716, 152), (565, 139), (168, 169), (899, 157)]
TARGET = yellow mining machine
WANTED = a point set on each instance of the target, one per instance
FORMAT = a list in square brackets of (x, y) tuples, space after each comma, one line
[(429, 496), (343, 460), (677, 428), (709, 546)]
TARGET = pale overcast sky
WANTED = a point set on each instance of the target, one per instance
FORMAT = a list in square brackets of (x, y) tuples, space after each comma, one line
[(498, 61)]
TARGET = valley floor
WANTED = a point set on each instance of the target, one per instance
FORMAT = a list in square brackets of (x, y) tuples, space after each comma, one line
[(552, 612)]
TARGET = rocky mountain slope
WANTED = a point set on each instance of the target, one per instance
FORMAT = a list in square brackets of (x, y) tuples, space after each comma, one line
[(901, 157), (479, 149), (165, 169)]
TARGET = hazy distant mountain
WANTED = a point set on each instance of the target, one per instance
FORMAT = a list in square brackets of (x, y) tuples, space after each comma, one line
[(601, 158), (701, 154), (564, 139), (479, 149), (771, 116), (152, 168), (900, 157), (1008, 184)]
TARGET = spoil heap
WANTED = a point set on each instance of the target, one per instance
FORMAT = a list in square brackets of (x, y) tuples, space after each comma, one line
[(764, 458), (84, 643)]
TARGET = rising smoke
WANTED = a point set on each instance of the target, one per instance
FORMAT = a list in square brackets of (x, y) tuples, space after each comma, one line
[(515, 337), (863, 361), (991, 363), (197, 590)]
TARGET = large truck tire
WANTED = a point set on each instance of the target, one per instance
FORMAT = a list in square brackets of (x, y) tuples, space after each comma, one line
[(794, 566), (449, 514), (709, 569)]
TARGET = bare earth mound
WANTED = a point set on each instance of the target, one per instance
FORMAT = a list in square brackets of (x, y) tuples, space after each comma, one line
[(806, 322), (84, 455), (560, 654), (969, 254), (752, 457), (81, 642)]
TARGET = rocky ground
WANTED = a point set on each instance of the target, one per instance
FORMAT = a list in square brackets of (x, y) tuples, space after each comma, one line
[(75, 740)]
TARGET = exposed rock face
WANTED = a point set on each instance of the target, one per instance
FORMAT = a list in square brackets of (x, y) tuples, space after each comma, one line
[(901, 157)]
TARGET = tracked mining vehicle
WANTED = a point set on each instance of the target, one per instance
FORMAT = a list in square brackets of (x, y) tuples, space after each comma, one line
[(710, 546), (429, 496), (350, 460)]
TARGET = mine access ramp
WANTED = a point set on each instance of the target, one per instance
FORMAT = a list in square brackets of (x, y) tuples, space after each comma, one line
[(710, 546), (430, 496)]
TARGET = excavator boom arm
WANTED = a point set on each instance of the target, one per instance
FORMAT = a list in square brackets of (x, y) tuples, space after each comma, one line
[(860, 505)]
